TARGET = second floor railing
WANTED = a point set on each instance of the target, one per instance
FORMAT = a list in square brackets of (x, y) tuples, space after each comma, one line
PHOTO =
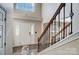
[(57, 29)]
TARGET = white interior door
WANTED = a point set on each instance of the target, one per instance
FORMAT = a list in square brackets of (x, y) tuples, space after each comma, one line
[(2, 31), (25, 33)]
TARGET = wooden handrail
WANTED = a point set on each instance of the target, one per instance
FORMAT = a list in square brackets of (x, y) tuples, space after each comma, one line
[(51, 21)]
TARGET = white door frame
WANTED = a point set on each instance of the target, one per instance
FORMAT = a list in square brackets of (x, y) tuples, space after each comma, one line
[(3, 25)]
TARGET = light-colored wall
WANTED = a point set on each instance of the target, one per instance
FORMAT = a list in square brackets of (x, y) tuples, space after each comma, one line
[(48, 10), (75, 20)]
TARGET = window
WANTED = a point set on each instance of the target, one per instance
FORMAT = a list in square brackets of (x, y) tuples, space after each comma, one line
[(25, 6)]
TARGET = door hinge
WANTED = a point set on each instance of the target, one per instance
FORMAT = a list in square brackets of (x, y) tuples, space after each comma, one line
[(5, 44), (5, 19)]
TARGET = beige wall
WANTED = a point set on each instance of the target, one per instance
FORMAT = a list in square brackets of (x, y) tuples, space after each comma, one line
[(9, 37), (75, 18), (48, 10)]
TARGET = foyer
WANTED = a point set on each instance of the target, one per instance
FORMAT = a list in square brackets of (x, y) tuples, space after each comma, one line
[(39, 28)]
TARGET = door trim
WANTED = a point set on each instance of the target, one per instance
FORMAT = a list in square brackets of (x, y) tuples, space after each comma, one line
[(5, 27)]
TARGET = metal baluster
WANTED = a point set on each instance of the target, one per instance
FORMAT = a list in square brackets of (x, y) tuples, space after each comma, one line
[(52, 39), (66, 32), (64, 22), (55, 30), (71, 14), (59, 24), (38, 45), (49, 36)]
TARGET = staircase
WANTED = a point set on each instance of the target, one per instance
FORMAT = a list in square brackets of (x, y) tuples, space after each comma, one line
[(60, 30)]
